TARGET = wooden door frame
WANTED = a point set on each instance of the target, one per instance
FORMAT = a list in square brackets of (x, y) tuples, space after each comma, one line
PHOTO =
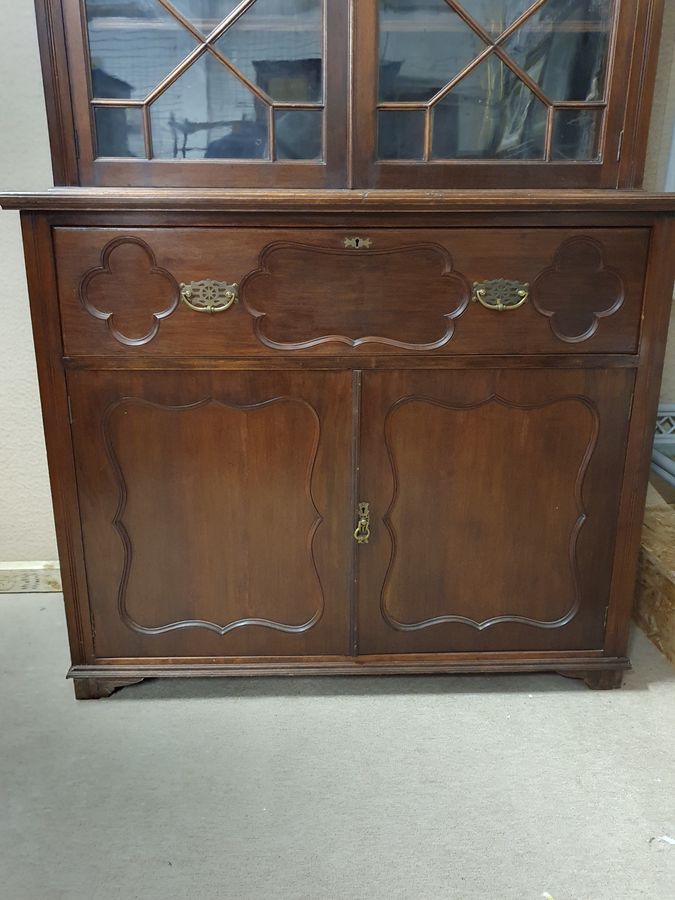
[(63, 48), (633, 56), (351, 78)]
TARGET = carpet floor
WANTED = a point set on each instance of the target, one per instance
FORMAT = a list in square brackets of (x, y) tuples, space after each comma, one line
[(461, 788)]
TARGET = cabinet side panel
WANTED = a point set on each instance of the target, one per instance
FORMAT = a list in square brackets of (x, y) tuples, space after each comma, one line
[(53, 392), (658, 294)]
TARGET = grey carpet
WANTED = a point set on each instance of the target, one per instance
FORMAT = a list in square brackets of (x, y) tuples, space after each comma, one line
[(461, 788)]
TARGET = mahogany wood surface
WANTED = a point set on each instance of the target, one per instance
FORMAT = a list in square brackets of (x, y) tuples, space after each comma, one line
[(206, 470), (508, 464), (493, 497), (305, 292), (400, 202), (216, 511)]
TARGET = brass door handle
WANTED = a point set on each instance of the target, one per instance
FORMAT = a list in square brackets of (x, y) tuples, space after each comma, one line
[(362, 533), (500, 294), (209, 296)]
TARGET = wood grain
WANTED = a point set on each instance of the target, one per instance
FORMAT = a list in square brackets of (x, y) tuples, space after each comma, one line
[(493, 498), (206, 470), (391, 201), (409, 292), (216, 511), (404, 297)]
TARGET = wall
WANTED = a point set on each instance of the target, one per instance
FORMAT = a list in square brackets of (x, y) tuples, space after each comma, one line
[(26, 523)]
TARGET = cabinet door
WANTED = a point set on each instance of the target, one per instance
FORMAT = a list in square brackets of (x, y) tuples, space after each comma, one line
[(216, 511), (493, 500), (210, 92), (493, 93)]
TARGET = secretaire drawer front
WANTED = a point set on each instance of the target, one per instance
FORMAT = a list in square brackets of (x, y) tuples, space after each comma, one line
[(260, 292)]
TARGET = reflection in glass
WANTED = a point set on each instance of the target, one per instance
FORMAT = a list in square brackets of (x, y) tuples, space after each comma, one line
[(133, 45), (205, 15), (298, 133), (495, 16), (209, 113), (490, 114), (400, 134), (119, 131), (423, 45), (563, 47), (576, 134), (277, 44)]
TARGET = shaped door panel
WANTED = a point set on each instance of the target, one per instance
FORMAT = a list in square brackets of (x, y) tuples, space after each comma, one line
[(493, 498), (216, 511)]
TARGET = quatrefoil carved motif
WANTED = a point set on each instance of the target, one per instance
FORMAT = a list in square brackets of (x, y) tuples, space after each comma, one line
[(129, 291), (578, 290)]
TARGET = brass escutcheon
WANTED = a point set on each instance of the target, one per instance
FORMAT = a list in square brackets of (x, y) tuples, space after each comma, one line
[(358, 243), (362, 533)]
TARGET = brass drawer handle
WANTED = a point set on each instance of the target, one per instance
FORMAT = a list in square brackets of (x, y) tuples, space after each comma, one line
[(209, 296), (362, 533), (501, 294)]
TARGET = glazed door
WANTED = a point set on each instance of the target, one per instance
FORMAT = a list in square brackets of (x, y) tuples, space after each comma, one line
[(493, 93), (216, 511), (214, 93), (493, 499)]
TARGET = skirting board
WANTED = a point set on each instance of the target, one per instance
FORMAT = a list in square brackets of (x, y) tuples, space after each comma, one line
[(29, 577)]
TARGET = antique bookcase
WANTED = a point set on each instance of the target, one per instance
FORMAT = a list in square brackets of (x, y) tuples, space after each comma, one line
[(349, 318)]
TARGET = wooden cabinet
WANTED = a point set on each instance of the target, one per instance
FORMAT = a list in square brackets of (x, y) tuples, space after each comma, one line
[(318, 398), (337, 93)]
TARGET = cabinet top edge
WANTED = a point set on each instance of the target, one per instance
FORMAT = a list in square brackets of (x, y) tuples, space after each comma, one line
[(389, 201)]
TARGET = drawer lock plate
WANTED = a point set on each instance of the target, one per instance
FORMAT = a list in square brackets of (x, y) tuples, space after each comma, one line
[(358, 243)]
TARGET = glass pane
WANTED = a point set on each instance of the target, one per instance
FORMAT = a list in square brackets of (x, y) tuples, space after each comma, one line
[(423, 45), (400, 134), (576, 133), (119, 132), (278, 44), (298, 133), (563, 47), (490, 114), (205, 15), (208, 113), (133, 45), (495, 15)]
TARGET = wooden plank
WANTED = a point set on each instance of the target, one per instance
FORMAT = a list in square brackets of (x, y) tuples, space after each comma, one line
[(204, 199)]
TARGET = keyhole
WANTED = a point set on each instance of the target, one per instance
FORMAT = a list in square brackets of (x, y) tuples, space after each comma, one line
[(357, 243)]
